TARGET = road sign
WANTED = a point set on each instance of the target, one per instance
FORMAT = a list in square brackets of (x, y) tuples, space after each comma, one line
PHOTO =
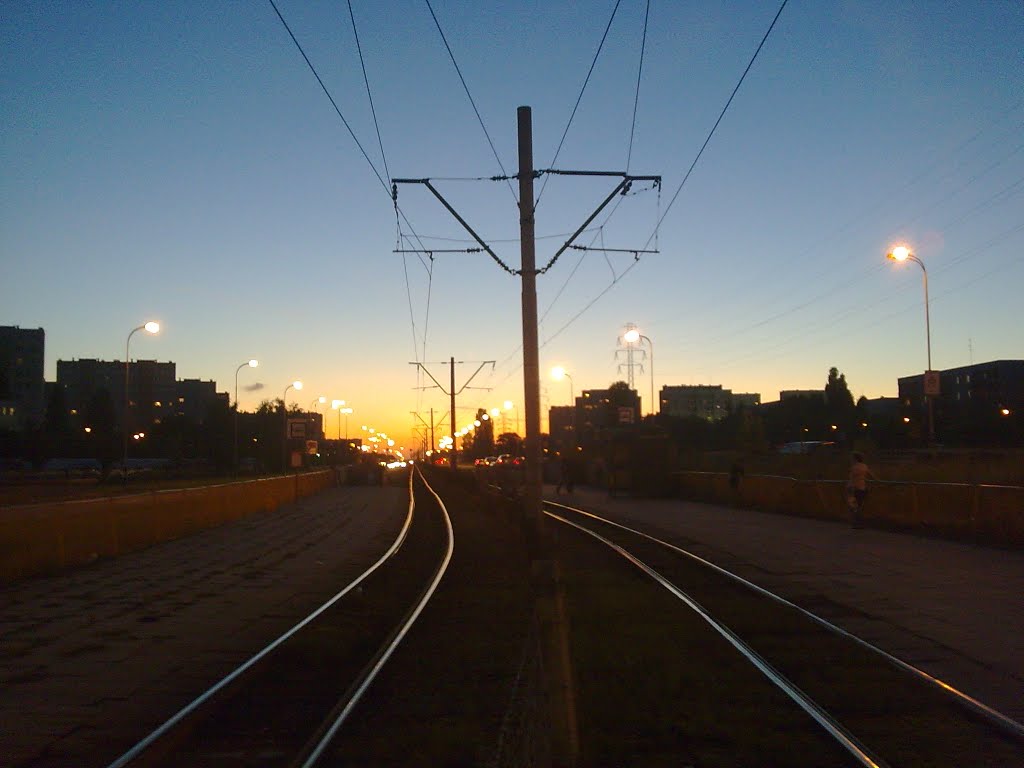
[(297, 429), (931, 383), (626, 415), (311, 447)]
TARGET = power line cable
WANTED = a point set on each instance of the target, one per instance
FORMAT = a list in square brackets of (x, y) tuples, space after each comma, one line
[(639, 72), (329, 97), (470, 96), (369, 95), (578, 100), (717, 122)]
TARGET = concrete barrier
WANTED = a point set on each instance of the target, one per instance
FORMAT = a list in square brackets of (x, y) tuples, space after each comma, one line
[(993, 513), (40, 538)]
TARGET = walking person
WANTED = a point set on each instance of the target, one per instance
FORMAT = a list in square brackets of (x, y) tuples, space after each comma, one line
[(857, 488), (565, 476)]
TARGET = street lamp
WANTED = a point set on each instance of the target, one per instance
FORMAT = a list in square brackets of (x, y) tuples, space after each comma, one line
[(150, 327), (633, 336), (336, 406), (558, 373), (296, 385), (347, 411), (248, 364), (901, 253), (312, 408)]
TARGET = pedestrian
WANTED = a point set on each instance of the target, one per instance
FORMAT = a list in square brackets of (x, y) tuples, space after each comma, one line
[(564, 476), (736, 473), (857, 488)]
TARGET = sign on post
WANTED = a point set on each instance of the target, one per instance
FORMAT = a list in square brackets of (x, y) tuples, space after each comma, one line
[(296, 429), (931, 383)]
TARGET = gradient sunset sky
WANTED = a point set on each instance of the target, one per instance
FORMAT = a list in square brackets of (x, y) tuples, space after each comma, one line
[(178, 161)]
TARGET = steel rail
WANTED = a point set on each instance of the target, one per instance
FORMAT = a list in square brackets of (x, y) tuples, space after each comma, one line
[(188, 709), (994, 716), (413, 616), (835, 729)]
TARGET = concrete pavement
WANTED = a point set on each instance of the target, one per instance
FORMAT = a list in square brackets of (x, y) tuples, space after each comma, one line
[(93, 659)]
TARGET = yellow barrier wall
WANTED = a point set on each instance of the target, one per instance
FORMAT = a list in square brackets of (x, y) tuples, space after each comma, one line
[(38, 538), (991, 512)]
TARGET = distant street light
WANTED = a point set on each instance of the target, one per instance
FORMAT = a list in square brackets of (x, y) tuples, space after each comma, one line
[(347, 411), (558, 373), (296, 385), (901, 253), (633, 336), (509, 405), (150, 327), (247, 364), (312, 408), (336, 406)]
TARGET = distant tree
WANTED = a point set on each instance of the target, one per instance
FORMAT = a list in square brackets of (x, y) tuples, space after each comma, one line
[(619, 394), (837, 393), (839, 405), (509, 442)]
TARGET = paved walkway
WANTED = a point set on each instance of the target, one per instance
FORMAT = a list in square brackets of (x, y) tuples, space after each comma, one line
[(955, 610), (92, 660)]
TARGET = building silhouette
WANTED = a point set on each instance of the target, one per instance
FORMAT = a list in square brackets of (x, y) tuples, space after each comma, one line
[(21, 376)]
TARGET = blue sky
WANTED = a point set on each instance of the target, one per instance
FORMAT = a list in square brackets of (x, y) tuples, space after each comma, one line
[(179, 162)]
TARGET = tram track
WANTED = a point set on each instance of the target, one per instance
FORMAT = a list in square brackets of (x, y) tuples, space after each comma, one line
[(285, 704), (879, 709)]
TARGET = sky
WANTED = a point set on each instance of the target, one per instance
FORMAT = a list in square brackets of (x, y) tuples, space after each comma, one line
[(179, 162)]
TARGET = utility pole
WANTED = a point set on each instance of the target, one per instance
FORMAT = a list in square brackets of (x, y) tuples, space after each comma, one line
[(451, 392), (548, 590), (429, 426), (549, 599)]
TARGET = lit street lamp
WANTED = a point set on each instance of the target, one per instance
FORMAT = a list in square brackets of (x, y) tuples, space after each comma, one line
[(312, 409), (633, 336), (248, 364), (902, 253), (150, 327), (558, 373), (296, 385)]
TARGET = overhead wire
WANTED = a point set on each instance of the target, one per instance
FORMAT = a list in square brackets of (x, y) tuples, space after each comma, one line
[(879, 203), (579, 98), (839, 316), (330, 98), (717, 122), (639, 73), (465, 87)]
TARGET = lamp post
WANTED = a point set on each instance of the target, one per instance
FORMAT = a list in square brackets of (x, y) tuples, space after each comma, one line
[(247, 364), (336, 406), (297, 385), (312, 409), (901, 253), (558, 373), (347, 411), (150, 327), (632, 336)]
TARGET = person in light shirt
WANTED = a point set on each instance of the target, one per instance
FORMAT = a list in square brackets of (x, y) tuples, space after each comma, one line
[(857, 487)]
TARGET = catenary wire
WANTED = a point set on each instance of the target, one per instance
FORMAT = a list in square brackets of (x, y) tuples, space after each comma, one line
[(369, 94), (639, 73), (717, 122), (470, 96), (579, 98), (329, 96)]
